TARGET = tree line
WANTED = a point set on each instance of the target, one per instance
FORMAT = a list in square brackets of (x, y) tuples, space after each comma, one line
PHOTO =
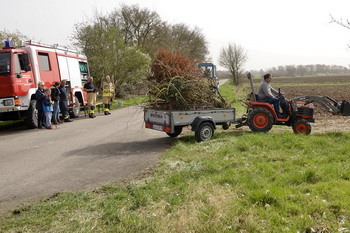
[(303, 70), (124, 42)]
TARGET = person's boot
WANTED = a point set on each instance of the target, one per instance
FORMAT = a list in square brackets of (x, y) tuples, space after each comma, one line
[(109, 108), (68, 120), (55, 122), (59, 121), (106, 113)]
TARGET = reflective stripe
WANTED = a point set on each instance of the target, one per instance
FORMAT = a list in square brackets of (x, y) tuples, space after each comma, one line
[(106, 109), (91, 111)]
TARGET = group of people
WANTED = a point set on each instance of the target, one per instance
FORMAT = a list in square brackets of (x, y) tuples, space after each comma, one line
[(51, 101)]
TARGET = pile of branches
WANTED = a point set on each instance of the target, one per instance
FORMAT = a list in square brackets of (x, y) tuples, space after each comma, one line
[(176, 85)]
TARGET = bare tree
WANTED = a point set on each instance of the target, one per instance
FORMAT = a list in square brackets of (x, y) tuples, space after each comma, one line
[(139, 26), (233, 58), (341, 22), (188, 42)]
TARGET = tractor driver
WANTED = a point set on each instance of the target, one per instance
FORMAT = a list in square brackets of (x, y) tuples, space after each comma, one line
[(268, 94)]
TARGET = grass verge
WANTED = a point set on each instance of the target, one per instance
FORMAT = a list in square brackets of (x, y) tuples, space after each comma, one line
[(238, 181)]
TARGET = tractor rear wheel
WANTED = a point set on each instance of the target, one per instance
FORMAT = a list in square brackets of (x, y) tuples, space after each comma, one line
[(301, 127), (260, 120)]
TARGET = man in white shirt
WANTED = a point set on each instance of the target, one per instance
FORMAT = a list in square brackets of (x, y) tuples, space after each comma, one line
[(268, 94)]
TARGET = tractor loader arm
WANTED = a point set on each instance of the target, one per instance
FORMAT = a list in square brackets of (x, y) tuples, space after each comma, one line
[(328, 103)]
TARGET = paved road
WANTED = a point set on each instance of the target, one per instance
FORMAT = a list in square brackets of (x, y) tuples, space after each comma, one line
[(222, 81), (84, 154)]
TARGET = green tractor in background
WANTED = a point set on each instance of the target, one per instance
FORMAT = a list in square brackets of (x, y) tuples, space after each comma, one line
[(209, 75)]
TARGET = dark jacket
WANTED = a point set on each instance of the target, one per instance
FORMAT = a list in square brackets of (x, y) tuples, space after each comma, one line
[(63, 93), (55, 94), (39, 95), (90, 86)]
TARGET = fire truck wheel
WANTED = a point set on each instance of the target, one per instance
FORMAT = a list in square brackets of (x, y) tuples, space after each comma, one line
[(204, 132), (31, 119), (301, 127), (260, 120), (177, 132), (75, 112)]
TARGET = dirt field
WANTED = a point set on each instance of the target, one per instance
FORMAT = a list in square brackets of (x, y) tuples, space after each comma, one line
[(324, 121), (298, 80)]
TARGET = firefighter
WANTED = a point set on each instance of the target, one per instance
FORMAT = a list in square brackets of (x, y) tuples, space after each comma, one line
[(91, 96), (64, 101), (108, 94)]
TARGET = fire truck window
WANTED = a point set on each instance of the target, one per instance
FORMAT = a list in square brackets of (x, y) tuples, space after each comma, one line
[(17, 64), (83, 70), (44, 62), (21, 62), (4, 63)]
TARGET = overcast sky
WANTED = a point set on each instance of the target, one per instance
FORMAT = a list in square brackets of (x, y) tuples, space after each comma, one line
[(274, 32)]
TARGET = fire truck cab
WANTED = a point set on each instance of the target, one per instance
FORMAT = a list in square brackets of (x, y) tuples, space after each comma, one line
[(22, 68)]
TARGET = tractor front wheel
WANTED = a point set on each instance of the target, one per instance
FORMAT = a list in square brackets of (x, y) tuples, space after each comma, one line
[(301, 127), (260, 120)]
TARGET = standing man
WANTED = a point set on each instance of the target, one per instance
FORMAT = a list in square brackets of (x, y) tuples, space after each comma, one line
[(64, 101), (91, 96), (39, 96), (266, 93), (55, 96), (108, 94)]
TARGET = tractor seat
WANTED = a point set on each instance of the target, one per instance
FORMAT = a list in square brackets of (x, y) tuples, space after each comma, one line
[(257, 98)]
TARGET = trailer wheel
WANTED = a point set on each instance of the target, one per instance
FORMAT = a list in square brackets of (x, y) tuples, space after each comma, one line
[(301, 127), (31, 118), (260, 120), (177, 132), (75, 112), (204, 132)]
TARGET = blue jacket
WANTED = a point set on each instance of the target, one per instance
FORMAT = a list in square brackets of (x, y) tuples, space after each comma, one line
[(47, 105), (39, 95)]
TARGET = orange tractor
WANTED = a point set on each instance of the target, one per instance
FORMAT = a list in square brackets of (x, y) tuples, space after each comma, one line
[(298, 112)]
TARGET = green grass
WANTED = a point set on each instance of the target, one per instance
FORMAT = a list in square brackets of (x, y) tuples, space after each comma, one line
[(238, 181), (129, 102)]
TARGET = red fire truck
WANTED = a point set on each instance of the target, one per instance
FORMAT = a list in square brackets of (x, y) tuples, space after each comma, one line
[(22, 68)]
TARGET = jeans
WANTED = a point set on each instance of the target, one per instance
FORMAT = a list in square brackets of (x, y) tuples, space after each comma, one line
[(48, 116), (275, 102), (56, 111)]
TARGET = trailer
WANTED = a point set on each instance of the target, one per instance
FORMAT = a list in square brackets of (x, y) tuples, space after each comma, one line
[(202, 122)]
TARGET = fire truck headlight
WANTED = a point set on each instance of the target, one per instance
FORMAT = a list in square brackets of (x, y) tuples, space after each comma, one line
[(8, 102)]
